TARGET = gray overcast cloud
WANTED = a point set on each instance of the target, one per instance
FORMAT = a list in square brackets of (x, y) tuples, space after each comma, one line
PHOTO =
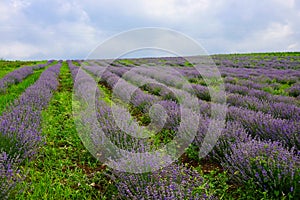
[(40, 29)]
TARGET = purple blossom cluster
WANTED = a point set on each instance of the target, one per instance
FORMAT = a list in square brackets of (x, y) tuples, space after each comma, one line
[(269, 164), (73, 69), (232, 133), (260, 94), (266, 127), (277, 110), (113, 131), (9, 174), (20, 124), (40, 66), (294, 90), (173, 182)]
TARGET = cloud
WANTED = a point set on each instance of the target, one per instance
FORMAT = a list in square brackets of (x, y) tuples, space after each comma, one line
[(63, 31), (21, 49), (275, 37), (71, 29)]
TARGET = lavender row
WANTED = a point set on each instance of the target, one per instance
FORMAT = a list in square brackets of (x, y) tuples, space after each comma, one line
[(73, 68), (257, 123), (271, 165), (201, 91), (137, 97), (20, 125), (235, 135), (261, 125), (260, 94), (253, 76), (140, 100), (169, 120), (175, 181), (165, 85), (255, 80), (40, 66), (262, 61), (144, 82), (14, 77), (18, 75), (281, 76), (241, 71), (266, 127), (278, 110)]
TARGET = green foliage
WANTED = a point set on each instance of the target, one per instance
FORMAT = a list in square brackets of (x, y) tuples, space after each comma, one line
[(8, 145), (279, 89), (188, 64), (192, 152), (126, 62), (217, 185)]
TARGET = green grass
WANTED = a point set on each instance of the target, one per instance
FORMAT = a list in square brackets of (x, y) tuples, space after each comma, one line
[(188, 64), (14, 91), (126, 62), (64, 168), (279, 90)]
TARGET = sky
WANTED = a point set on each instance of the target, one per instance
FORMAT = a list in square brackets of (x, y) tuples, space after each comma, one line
[(57, 29)]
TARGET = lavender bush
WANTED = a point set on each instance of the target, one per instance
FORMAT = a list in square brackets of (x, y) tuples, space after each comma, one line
[(233, 133), (269, 165), (278, 110), (9, 173), (294, 90), (266, 127), (173, 182)]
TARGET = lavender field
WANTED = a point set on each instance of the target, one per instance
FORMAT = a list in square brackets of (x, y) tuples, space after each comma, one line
[(45, 155)]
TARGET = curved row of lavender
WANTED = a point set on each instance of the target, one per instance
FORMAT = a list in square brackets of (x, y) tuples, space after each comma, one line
[(275, 121), (20, 128), (174, 182), (250, 145), (18, 75), (258, 70)]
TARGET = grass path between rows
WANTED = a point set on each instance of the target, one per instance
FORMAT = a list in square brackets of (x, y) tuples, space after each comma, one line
[(64, 169)]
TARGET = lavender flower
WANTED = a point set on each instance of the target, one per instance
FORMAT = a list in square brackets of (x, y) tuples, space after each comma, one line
[(173, 182), (270, 165)]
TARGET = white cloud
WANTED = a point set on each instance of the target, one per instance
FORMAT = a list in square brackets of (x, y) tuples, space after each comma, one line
[(276, 37), (67, 29), (174, 9), (294, 47), (18, 50), (20, 4)]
